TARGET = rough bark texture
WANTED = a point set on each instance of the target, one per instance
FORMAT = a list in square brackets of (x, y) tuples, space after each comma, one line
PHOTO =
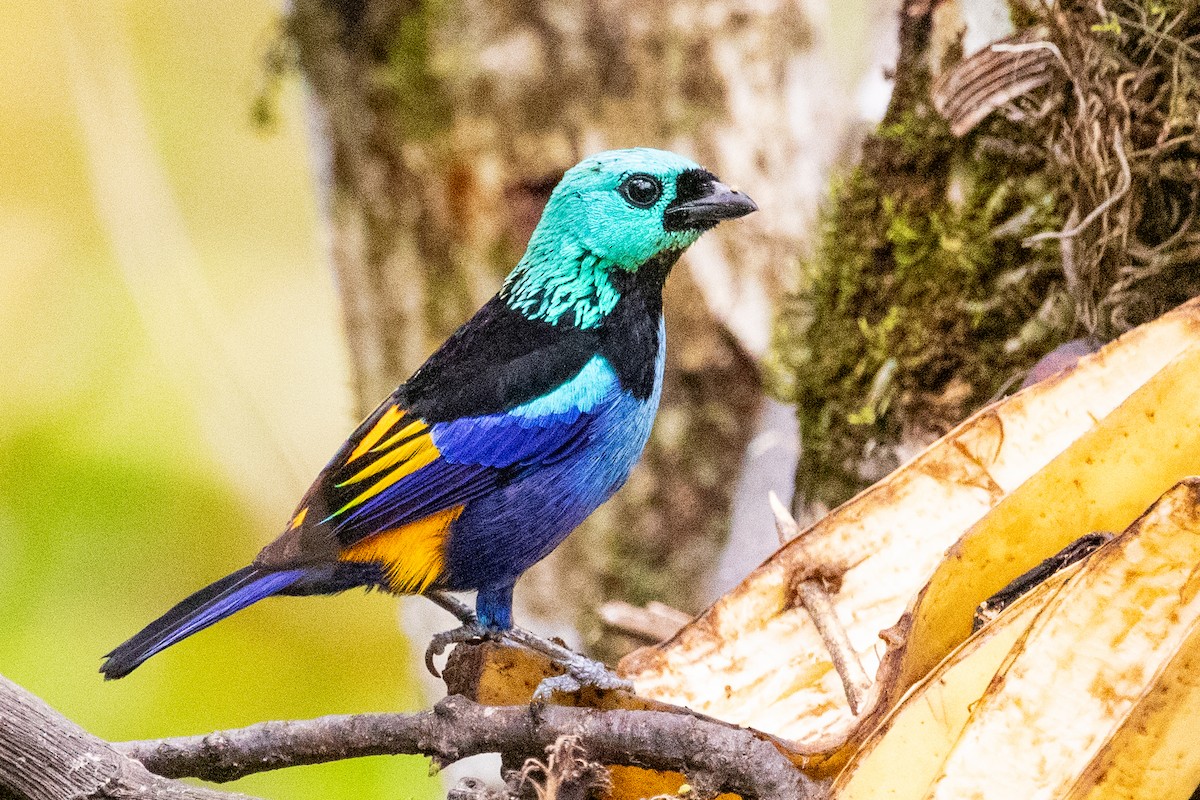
[(1052, 209), (44, 756), (447, 124), (924, 298), (723, 757)]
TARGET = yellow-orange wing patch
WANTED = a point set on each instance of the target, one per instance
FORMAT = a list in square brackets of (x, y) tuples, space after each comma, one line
[(298, 519), (391, 466), (377, 432), (412, 555)]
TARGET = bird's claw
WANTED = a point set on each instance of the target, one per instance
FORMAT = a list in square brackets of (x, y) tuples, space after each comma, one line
[(580, 672), (440, 641)]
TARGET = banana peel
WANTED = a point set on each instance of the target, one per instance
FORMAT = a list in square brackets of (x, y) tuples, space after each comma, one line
[(1154, 752), (1096, 697), (1102, 482), (755, 658), (901, 757)]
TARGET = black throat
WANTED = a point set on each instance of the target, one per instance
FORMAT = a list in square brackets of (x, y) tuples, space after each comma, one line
[(629, 334), (501, 359)]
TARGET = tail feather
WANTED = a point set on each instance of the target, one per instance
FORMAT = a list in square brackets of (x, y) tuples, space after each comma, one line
[(207, 606)]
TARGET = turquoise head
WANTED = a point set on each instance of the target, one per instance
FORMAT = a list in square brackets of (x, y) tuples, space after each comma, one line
[(615, 216)]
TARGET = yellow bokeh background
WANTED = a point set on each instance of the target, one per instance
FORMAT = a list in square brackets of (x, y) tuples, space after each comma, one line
[(172, 375)]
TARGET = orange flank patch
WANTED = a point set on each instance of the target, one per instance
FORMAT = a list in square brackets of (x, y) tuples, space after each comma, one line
[(385, 424), (413, 554), (298, 520)]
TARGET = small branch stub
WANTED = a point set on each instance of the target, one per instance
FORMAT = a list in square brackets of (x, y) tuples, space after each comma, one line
[(813, 598), (654, 623)]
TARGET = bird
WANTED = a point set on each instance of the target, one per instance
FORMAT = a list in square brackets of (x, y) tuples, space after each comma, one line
[(515, 429)]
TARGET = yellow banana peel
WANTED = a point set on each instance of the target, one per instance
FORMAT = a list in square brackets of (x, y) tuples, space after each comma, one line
[(1103, 481), (1155, 753), (901, 757), (756, 659), (906, 563), (1087, 688)]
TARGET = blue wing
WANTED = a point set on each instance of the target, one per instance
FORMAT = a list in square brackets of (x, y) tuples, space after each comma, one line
[(392, 492)]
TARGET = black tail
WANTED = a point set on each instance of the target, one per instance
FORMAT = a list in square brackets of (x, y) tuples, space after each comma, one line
[(211, 604)]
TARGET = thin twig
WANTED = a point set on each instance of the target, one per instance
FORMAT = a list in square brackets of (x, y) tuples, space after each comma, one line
[(560, 654), (458, 608), (725, 757), (816, 601), (1026, 47), (654, 623)]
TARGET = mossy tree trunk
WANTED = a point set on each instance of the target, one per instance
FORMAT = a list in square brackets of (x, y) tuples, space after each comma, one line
[(1047, 207)]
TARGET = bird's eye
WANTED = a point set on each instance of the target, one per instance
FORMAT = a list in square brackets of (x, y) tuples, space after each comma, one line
[(640, 190)]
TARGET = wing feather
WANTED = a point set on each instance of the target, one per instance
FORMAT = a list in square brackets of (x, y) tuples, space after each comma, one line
[(401, 479)]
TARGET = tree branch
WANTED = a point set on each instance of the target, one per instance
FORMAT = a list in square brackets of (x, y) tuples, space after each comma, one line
[(45, 756), (713, 755)]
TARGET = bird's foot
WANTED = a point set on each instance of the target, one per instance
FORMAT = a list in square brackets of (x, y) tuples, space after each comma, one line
[(579, 671), (468, 632)]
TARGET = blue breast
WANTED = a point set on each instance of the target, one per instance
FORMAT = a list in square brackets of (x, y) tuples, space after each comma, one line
[(565, 452)]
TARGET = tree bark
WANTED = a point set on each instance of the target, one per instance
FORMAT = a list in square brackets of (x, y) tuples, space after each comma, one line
[(44, 756), (720, 756)]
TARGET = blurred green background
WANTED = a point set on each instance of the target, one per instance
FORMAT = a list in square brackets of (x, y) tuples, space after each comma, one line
[(173, 375)]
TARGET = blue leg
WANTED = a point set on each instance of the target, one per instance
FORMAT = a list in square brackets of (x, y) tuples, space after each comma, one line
[(493, 608), (492, 617), (493, 620)]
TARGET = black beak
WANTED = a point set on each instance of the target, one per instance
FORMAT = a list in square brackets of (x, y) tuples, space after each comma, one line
[(718, 203)]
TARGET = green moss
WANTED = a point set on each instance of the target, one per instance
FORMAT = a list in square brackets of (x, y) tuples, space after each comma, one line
[(912, 298)]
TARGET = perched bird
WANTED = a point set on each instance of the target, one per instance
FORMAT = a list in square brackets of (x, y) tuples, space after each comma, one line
[(516, 429)]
